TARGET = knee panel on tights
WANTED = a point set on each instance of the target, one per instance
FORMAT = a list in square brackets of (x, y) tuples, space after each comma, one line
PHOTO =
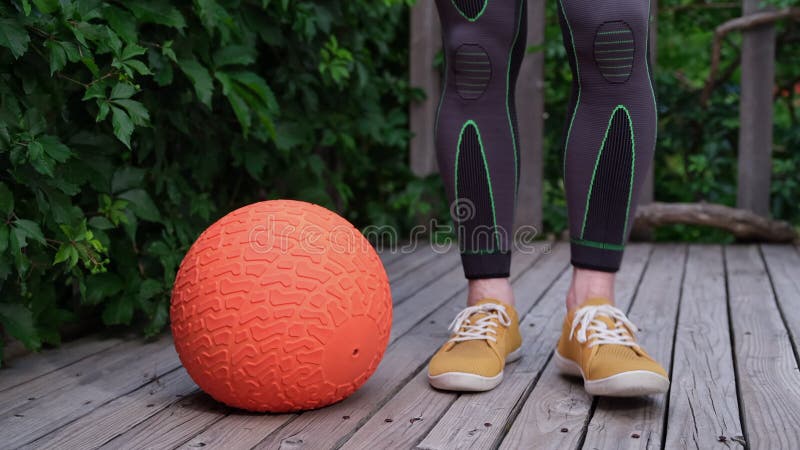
[(483, 42), (610, 132)]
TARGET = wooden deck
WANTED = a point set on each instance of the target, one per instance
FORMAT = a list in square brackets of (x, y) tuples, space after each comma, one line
[(725, 320)]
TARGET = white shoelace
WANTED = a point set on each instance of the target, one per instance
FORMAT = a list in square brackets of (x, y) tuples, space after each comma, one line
[(621, 334), (483, 328)]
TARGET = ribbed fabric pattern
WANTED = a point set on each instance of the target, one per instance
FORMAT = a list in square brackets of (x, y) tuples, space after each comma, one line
[(614, 48), (470, 8), (473, 71), (476, 224), (483, 44), (608, 204)]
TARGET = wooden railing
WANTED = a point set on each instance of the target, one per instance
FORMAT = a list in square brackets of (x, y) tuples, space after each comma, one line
[(755, 136)]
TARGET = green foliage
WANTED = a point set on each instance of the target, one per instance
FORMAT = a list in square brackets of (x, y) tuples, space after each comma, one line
[(127, 127)]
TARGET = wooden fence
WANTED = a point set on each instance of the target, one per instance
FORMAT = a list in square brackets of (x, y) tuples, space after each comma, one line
[(755, 135)]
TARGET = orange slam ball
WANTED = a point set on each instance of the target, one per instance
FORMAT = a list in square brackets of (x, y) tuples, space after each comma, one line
[(281, 306)]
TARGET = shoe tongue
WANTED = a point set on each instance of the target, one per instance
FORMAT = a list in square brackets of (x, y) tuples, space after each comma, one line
[(488, 300), (597, 301)]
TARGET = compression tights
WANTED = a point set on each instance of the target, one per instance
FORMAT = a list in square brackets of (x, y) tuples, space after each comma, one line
[(609, 135)]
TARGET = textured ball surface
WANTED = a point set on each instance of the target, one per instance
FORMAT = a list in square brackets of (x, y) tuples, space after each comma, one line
[(281, 306)]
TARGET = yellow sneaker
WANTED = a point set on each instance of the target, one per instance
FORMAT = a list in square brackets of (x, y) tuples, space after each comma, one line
[(598, 343), (485, 337)]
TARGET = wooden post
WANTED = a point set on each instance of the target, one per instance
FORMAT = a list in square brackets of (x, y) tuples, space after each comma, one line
[(530, 118), (755, 115), (425, 44)]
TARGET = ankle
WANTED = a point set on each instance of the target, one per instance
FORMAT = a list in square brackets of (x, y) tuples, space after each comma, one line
[(496, 288), (588, 284)]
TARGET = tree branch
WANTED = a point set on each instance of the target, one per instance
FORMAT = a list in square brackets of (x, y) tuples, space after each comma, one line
[(743, 224), (740, 23)]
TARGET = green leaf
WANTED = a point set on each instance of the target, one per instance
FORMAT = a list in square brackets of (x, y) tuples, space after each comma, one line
[(18, 321), (148, 289), (119, 311), (137, 112), (101, 223), (54, 148), (235, 54), (200, 78), (14, 37), (97, 90), (142, 205), (159, 12), (102, 285), (122, 90), (66, 252), (6, 200), (38, 160), (127, 178), (132, 50), (123, 126), (158, 319), (239, 105), (58, 57), (3, 237), (46, 6), (137, 66), (122, 22), (28, 229), (257, 84)]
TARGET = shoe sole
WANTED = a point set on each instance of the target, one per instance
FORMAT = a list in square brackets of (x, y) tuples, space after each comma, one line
[(470, 382), (635, 383)]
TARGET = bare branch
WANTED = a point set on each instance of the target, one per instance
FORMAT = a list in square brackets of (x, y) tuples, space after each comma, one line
[(743, 224), (740, 23)]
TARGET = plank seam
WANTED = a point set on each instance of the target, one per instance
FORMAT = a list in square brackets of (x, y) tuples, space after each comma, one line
[(449, 267), (672, 352), (737, 381), (779, 306), (63, 367), (100, 405)]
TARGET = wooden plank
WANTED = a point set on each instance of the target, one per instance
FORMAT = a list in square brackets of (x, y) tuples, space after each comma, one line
[(464, 424), (240, 430), (424, 275), (703, 406), (97, 385), (425, 44), (404, 358), (404, 251), (28, 367), (173, 426), (530, 117), (120, 415), (755, 115), (639, 422), (421, 255), (558, 403), (417, 407), (84, 371), (766, 368), (425, 301), (783, 262)]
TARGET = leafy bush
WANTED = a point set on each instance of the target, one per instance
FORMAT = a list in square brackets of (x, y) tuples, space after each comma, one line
[(127, 127)]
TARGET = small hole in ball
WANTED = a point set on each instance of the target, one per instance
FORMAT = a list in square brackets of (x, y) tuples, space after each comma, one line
[(355, 352)]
